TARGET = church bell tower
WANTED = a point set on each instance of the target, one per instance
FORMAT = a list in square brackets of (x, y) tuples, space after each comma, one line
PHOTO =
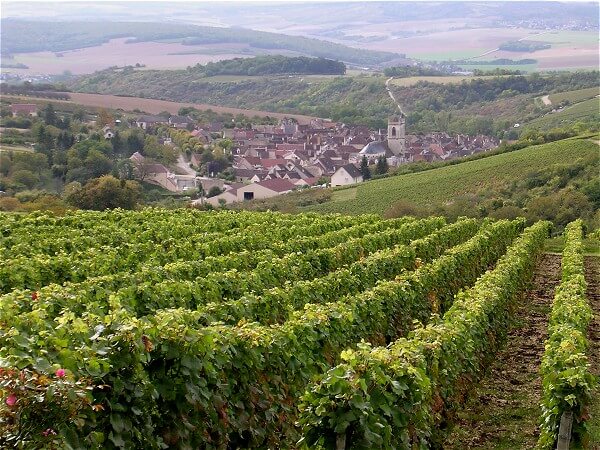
[(396, 136)]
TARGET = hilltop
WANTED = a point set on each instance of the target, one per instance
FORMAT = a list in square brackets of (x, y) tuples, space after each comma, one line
[(62, 36)]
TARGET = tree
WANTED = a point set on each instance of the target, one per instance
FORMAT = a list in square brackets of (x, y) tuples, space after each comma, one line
[(135, 142), (106, 192), (364, 168), (79, 114), (105, 118), (215, 190), (382, 165), (117, 143), (49, 115), (25, 177), (34, 162), (125, 169), (97, 163), (65, 140), (5, 165)]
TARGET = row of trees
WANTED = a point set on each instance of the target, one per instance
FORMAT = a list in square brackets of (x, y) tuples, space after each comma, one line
[(273, 65), (381, 167)]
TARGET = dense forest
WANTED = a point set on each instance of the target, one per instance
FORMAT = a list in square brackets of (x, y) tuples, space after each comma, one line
[(23, 36), (272, 65)]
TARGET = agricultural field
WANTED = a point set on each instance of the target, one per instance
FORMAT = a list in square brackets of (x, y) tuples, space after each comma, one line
[(587, 110), (442, 185), (117, 52), (411, 81), (575, 96), (151, 328), (151, 106)]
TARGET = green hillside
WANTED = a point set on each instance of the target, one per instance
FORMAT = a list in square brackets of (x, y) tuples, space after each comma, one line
[(578, 95), (584, 112), (557, 181), (496, 174)]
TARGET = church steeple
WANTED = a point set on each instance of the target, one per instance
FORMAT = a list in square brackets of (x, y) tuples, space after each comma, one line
[(397, 135)]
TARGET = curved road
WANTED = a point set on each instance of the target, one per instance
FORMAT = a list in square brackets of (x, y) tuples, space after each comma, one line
[(391, 94)]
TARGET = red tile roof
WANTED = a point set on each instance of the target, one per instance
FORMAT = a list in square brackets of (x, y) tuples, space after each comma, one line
[(26, 108), (277, 185), (268, 163)]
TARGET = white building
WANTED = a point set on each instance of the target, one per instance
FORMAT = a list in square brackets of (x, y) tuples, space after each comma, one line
[(345, 175)]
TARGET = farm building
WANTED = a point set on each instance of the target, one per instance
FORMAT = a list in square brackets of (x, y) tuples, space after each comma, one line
[(345, 175), (23, 109)]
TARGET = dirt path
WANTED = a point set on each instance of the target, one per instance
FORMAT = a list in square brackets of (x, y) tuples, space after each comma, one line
[(503, 413), (592, 275), (391, 94), (546, 100)]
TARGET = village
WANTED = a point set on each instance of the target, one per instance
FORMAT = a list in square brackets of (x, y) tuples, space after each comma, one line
[(270, 160), (263, 161)]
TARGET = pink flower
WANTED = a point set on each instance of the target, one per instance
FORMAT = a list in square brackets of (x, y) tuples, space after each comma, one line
[(11, 400), (48, 432), (60, 373)]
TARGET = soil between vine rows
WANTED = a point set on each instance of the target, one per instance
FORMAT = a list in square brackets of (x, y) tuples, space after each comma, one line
[(592, 275), (503, 411)]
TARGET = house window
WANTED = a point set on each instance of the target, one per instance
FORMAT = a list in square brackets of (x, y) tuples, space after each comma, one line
[(248, 195), (393, 131)]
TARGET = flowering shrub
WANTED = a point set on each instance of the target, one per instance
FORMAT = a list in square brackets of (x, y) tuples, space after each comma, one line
[(39, 410)]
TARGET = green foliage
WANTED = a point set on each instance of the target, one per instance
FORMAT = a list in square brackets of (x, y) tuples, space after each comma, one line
[(524, 46), (106, 192), (35, 407), (400, 396), (272, 65), (52, 264), (489, 106), (553, 181), (364, 168), (137, 295), (411, 71), (566, 379), (215, 190), (382, 166)]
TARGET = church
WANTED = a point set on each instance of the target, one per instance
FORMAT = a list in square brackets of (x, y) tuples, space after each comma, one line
[(394, 147)]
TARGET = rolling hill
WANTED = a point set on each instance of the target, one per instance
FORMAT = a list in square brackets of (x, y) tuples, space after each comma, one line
[(20, 36)]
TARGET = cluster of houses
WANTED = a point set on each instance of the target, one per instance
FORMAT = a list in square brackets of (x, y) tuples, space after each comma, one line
[(270, 160), (182, 122)]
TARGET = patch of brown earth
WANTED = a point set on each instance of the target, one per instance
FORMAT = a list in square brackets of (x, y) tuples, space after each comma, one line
[(503, 412)]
